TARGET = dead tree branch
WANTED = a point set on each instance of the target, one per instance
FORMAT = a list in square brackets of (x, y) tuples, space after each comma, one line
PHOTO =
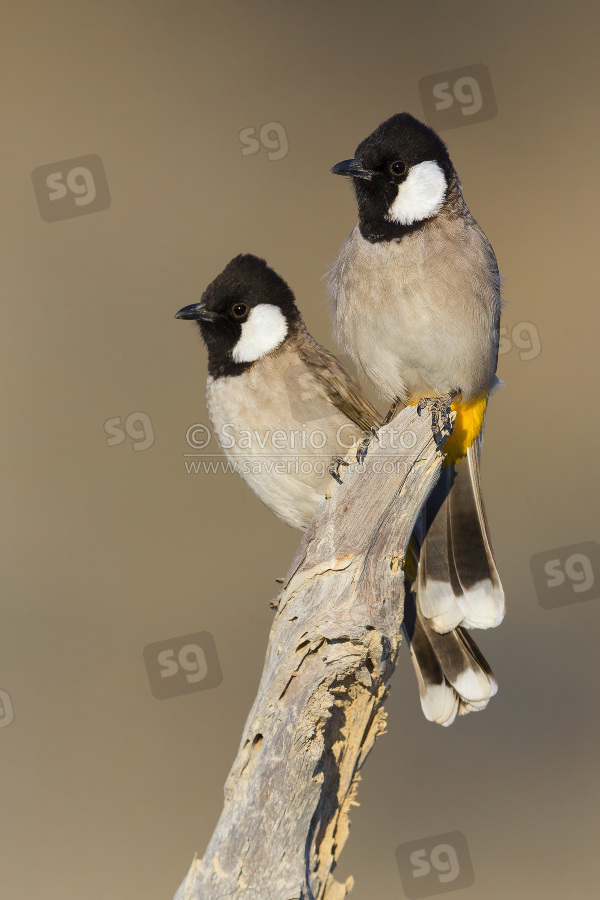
[(332, 650)]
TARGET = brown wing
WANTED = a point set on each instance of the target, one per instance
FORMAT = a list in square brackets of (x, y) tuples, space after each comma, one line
[(341, 388)]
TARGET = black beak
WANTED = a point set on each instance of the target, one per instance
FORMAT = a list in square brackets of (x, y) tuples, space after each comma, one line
[(197, 311), (352, 168)]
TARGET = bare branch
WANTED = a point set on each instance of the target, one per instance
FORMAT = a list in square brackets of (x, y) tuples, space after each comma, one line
[(332, 650)]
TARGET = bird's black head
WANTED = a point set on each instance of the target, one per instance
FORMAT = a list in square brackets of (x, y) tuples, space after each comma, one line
[(402, 176), (247, 312)]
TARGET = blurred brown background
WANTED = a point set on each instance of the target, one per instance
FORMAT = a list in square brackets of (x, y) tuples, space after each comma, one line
[(106, 549)]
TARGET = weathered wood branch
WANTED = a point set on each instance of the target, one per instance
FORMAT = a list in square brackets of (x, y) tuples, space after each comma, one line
[(332, 650)]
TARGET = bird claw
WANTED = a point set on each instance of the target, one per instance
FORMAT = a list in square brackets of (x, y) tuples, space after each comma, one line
[(334, 468), (442, 415), (392, 412), (363, 447)]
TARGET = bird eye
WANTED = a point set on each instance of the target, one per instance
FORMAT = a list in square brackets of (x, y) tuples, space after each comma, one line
[(398, 167), (239, 310)]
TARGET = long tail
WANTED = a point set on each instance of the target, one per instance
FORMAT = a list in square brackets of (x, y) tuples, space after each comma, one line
[(456, 585), (454, 677), (457, 581)]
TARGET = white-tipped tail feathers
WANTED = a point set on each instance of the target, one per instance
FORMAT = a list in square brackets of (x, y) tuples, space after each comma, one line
[(456, 587), (453, 676), (457, 582)]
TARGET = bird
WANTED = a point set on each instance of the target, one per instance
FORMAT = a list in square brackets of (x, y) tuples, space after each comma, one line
[(416, 304), (268, 378)]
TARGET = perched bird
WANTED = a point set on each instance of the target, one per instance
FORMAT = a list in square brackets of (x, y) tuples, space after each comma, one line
[(416, 294), (269, 379)]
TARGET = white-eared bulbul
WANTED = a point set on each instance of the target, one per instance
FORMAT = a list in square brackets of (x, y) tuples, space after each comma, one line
[(417, 306), (271, 381)]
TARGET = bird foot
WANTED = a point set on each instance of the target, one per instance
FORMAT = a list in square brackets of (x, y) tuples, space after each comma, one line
[(363, 447), (442, 415), (334, 467), (392, 412)]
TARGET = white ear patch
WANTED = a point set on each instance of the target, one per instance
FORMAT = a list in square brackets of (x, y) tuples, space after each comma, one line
[(264, 329), (421, 195)]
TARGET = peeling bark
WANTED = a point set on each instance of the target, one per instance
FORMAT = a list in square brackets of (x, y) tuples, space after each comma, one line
[(331, 653)]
